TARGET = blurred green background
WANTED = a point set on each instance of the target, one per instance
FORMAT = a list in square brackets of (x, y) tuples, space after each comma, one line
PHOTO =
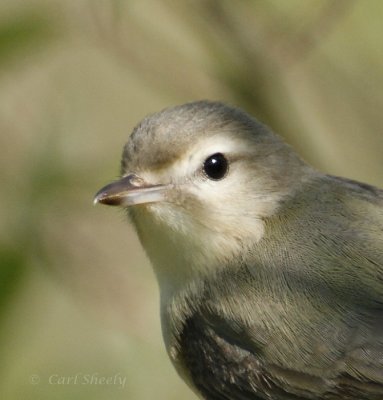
[(78, 299)]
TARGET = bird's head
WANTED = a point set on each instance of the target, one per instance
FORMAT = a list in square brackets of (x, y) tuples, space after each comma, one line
[(199, 180)]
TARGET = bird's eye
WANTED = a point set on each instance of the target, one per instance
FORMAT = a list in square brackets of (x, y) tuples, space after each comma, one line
[(216, 166)]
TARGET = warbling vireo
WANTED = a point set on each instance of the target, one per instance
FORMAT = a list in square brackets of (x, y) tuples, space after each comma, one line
[(270, 272)]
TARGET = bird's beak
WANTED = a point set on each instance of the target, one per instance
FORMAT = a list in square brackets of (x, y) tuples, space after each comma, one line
[(129, 191)]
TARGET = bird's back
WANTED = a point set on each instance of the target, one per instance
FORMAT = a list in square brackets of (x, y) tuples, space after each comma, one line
[(305, 320)]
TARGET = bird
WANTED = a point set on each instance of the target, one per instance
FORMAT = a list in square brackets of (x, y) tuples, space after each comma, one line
[(270, 272)]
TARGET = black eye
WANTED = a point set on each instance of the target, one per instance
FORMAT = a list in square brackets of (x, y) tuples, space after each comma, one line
[(216, 166)]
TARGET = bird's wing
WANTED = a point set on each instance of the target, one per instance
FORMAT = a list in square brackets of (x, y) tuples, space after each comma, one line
[(221, 369), (224, 365)]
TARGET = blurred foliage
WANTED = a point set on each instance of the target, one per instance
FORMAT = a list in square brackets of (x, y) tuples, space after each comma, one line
[(23, 31), (77, 296), (12, 265)]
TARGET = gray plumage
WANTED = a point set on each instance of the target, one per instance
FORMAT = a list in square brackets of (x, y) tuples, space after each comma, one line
[(271, 277)]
